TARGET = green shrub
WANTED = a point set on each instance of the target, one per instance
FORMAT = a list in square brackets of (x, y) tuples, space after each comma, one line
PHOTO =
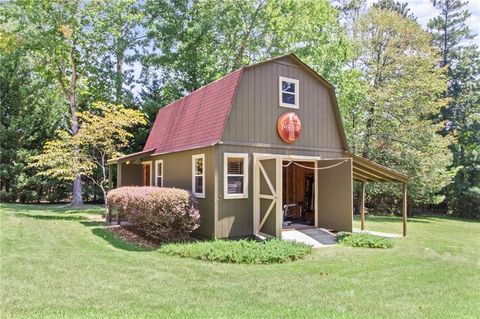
[(240, 252), (162, 214), (7, 197), (364, 240)]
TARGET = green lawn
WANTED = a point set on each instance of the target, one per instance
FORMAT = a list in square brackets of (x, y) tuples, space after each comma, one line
[(56, 263)]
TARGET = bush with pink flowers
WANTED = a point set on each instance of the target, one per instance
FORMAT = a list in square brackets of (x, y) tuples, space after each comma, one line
[(163, 214)]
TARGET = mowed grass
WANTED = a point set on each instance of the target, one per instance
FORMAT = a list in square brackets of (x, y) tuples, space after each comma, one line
[(56, 263)]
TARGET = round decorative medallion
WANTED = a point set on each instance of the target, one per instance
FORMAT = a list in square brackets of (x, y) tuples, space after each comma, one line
[(289, 127)]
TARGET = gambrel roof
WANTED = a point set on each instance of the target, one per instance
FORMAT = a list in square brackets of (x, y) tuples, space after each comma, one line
[(198, 119)]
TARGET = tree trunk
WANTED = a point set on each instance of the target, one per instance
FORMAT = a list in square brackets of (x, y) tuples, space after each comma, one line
[(119, 76), (77, 192), (77, 183)]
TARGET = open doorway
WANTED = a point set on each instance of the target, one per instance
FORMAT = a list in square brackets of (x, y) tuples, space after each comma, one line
[(298, 194)]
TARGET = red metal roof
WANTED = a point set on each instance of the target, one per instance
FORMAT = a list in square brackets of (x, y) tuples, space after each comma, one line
[(196, 120)]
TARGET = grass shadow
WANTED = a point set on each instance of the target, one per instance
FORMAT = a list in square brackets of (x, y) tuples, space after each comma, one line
[(390, 219), (51, 217), (116, 242), (92, 223), (87, 209)]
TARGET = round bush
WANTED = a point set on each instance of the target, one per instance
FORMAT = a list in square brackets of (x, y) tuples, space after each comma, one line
[(163, 214)]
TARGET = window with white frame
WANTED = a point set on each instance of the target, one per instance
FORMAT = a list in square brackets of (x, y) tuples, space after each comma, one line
[(159, 173), (288, 92), (198, 175), (235, 175)]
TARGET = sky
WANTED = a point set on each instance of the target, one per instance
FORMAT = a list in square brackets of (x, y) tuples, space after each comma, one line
[(424, 11)]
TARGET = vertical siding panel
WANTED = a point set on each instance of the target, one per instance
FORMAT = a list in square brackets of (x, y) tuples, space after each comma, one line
[(256, 120), (262, 108), (324, 117), (331, 121), (251, 106)]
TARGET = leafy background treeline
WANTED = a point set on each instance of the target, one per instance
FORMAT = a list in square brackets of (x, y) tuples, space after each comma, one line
[(409, 97)]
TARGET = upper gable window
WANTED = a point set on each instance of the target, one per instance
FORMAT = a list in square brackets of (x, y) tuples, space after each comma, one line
[(288, 89)]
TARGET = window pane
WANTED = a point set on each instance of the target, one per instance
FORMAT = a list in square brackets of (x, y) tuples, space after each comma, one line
[(159, 169), (198, 166), (235, 185), (288, 87), (159, 181), (199, 184), (288, 98), (235, 166)]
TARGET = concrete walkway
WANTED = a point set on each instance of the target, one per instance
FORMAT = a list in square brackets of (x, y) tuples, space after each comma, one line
[(315, 237)]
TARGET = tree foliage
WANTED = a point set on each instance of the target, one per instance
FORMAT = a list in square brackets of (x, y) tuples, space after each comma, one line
[(29, 114), (102, 133), (451, 36), (404, 92)]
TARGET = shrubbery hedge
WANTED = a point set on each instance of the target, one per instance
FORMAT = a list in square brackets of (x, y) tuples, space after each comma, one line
[(240, 251), (163, 214), (365, 240)]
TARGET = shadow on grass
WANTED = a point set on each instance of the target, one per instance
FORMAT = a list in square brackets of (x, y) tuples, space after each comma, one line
[(391, 219), (97, 228), (87, 209), (92, 223), (51, 217), (116, 242)]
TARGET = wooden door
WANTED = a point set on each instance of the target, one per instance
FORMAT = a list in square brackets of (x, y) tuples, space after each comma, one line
[(146, 174), (267, 199)]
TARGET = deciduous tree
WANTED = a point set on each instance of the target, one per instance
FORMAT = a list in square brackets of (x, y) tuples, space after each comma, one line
[(405, 88), (102, 134)]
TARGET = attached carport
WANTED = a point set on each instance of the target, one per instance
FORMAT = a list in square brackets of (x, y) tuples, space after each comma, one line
[(367, 171), (129, 169)]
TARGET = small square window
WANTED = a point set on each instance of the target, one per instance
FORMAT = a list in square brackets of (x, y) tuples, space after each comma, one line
[(288, 89), (235, 175)]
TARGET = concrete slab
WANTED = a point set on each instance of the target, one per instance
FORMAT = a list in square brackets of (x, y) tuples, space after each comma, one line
[(377, 233), (315, 237)]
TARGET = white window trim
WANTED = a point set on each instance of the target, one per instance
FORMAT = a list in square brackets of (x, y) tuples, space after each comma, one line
[(297, 91), (156, 173), (194, 157), (244, 156), (149, 163)]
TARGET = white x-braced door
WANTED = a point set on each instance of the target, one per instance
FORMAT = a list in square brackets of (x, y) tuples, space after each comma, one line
[(267, 200)]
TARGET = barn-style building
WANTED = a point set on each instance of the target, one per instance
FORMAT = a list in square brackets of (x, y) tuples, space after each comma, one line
[(263, 149)]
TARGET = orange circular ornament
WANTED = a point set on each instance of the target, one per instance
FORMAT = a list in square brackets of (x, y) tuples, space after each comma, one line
[(289, 127)]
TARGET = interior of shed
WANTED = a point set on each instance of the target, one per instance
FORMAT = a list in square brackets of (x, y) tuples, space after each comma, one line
[(298, 194)]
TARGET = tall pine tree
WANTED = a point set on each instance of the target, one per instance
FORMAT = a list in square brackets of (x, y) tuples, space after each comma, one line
[(451, 35)]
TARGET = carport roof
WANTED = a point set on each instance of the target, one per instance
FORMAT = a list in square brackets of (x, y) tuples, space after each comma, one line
[(130, 157), (367, 171)]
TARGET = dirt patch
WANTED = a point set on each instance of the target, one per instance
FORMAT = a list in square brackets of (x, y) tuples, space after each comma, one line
[(129, 235)]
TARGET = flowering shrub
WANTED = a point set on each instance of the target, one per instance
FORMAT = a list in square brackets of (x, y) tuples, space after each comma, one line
[(163, 214)]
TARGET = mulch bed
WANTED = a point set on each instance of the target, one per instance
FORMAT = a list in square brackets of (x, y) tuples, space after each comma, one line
[(130, 235)]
